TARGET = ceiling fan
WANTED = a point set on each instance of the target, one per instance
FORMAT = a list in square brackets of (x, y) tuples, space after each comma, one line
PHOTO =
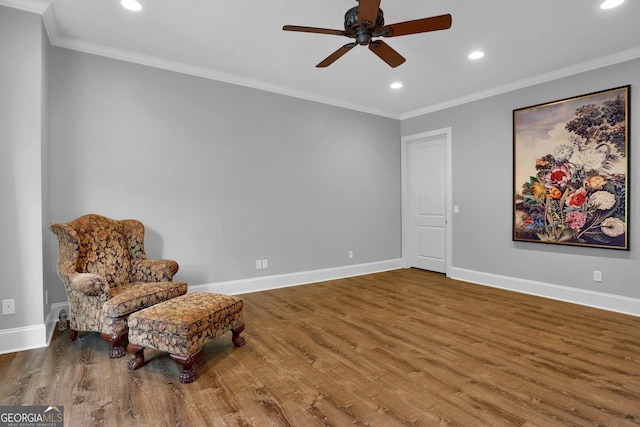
[(366, 21)]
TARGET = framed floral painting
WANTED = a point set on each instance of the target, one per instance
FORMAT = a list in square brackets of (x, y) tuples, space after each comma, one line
[(571, 163)]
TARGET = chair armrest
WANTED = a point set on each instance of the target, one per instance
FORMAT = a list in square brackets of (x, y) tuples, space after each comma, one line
[(153, 270), (89, 284)]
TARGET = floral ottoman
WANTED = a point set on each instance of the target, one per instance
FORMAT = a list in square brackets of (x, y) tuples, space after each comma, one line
[(182, 326)]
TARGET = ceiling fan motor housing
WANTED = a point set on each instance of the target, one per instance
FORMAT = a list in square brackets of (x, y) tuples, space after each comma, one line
[(360, 28), (352, 25)]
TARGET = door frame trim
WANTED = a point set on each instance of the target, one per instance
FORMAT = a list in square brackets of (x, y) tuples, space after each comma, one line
[(405, 183)]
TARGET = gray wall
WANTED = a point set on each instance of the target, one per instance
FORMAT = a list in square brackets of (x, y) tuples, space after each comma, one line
[(221, 175), (21, 132), (49, 258), (482, 187)]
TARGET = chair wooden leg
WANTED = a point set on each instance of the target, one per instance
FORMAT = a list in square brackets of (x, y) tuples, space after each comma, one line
[(117, 344)]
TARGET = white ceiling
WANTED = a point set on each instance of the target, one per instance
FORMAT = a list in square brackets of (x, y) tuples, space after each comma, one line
[(242, 42)]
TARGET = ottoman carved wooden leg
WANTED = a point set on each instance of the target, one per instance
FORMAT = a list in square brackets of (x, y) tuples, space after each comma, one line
[(188, 374), (138, 356), (182, 326), (237, 340)]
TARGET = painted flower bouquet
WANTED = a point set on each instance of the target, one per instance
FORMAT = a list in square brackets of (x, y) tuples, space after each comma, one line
[(576, 196)]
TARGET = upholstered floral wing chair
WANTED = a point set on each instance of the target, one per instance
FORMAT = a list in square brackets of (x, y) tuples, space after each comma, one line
[(107, 276)]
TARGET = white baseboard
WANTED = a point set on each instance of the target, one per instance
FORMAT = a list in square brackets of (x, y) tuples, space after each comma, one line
[(24, 338), (30, 337), (264, 283), (584, 297), (52, 318)]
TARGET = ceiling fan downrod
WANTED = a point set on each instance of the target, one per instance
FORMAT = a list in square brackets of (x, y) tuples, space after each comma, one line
[(359, 25), (361, 31)]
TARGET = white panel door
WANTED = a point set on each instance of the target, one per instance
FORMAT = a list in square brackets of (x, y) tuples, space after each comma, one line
[(428, 174)]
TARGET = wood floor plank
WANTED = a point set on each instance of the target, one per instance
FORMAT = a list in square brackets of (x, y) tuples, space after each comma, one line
[(405, 347)]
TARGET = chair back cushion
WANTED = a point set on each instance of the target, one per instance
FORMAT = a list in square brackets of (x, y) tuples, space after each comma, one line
[(104, 249)]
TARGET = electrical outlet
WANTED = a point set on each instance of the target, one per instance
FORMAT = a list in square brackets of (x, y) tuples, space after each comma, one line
[(265, 263), (8, 306), (258, 264), (350, 254), (597, 276)]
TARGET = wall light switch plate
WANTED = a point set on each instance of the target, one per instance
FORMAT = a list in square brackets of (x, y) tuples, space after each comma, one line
[(258, 264), (597, 276)]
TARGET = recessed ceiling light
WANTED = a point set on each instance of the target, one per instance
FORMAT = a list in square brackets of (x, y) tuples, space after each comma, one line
[(476, 54), (131, 5), (395, 85), (610, 4)]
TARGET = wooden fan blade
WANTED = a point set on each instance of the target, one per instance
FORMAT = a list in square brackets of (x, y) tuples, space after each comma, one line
[(424, 25), (368, 12), (315, 30), (386, 53), (335, 55)]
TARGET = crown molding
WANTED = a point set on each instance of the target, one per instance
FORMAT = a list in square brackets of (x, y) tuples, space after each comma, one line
[(50, 24), (34, 6), (179, 67), (616, 58), (43, 7), (206, 73)]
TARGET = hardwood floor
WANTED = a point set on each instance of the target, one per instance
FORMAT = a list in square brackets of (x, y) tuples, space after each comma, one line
[(405, 347)]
